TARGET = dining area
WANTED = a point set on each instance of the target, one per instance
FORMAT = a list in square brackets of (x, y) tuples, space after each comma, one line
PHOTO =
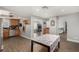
[(41, 34)]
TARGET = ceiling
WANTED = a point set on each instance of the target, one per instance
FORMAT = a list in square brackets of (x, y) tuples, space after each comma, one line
[(26, 11)]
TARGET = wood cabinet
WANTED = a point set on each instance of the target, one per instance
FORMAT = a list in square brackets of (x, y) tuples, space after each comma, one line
[(27, 22), (15, 26), (5, 33), (14, 22), (17, 32), (46, 30)]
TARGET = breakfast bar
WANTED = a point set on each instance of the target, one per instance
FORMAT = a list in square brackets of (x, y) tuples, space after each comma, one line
[(48, 40)]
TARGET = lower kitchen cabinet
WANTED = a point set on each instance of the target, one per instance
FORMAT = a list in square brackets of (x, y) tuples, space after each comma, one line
[(5, 33)]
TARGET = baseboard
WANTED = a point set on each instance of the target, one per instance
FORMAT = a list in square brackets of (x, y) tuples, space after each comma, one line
[(25, 37), (76, 41), (2, 47)]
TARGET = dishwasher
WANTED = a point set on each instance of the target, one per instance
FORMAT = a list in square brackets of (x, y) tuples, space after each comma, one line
[(12, 33)]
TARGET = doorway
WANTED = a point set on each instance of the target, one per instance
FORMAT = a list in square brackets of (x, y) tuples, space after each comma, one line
[(65, 27)]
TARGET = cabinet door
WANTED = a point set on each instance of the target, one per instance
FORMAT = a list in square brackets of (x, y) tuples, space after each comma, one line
[(14, 22), (5, 33), (17, 32)]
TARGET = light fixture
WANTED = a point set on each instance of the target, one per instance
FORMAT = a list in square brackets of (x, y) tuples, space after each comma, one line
[(44, 7), (43, 12)]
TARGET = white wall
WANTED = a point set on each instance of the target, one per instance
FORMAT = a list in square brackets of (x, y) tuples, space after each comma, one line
[(53, 29), (61, 24), (27, 33), (6, 22), (1, 35), (34, 21), (72, 27)]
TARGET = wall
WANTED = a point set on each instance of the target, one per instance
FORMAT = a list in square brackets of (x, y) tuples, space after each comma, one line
[(34, 21), (27, 33), (53, 29), (6, 22), (72, 27), (61, 24), (1, 40)]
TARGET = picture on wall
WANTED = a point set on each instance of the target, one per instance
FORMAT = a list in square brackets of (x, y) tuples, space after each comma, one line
[(52, 23)]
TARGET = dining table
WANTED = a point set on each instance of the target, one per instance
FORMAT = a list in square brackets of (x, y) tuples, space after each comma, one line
[(48, 40)]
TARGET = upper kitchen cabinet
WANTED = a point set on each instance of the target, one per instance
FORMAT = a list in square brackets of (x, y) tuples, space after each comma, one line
[(27, 21), (14, 22)]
